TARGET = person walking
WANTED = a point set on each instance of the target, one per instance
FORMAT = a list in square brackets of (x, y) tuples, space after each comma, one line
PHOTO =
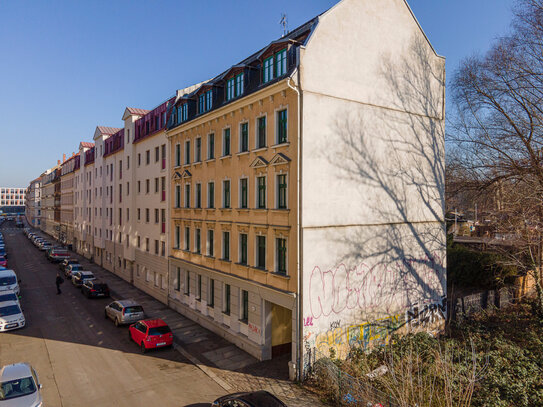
[(58, 282)]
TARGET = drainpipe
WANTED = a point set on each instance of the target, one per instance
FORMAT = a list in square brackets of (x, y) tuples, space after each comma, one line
[(299, 319)]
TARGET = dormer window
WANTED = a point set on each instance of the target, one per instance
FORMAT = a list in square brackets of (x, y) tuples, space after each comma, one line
[(239, 84), (205, 101), (209, 100), (268, 69), (281, 63), (230, 89), (185, 112), (202, 103), (274, 66), (234, 86)]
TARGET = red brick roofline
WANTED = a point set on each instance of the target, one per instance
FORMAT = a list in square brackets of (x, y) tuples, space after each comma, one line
[(134, 111)]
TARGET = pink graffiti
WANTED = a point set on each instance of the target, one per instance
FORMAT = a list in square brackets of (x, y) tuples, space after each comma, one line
[(308, 321), (254, 328), (342, 288)]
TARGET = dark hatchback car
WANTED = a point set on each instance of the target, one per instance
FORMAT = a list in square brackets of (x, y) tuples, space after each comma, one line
[(94, 289), (253, 399)]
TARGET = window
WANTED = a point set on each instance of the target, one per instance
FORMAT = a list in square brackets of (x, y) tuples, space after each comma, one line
[(211, 294), (139, 241), (210, 146), (230, 89), (163, 249), (226, 194), (282, 126), (243, 248), (156, 215), (178, 279), (187, 196), (147, 157), (239, 84), (139, 214), (156, 185), (198, 203), (178, 196), (226, 245), (147, 244), (280, 63), (187, 282), (187, 152), (261, 132), (139, 187), (199, 288), (198, 150), (163, 188), (185, 111), (177, 155), (281, 255), (156, 247), (147, 184), (243, 192), (157, 154), (226, 142), (209, 100), (210, 242), (226, 309), (163, 220), (267, 70), (244, 137), (197, 243), (244, 306), (202, 103), (163, 153), (261, 192), (187, 238), (177, 241), (261, 252), (282, 191), (211, 195), (139, 159)]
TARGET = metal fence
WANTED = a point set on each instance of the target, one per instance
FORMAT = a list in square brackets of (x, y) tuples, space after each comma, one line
[(344, 389), (463, 307)]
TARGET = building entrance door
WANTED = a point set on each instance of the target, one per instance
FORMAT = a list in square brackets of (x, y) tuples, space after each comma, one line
[(281, 330)]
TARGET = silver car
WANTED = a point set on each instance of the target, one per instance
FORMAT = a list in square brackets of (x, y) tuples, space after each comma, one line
[(124, 312), (19, 386)]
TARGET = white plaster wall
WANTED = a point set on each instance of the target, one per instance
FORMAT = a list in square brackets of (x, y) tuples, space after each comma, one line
[(372, 172)]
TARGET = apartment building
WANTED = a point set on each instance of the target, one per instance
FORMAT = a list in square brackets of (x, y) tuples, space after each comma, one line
[(49, 221), (306, 184), (33, 202), (83, 236), (12, 199), (67, 180)]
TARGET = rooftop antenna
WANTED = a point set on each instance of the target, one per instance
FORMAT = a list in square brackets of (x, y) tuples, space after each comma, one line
[(284, 23)]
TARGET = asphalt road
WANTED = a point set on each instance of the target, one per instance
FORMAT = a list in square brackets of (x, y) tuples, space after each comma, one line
[(81, 358)]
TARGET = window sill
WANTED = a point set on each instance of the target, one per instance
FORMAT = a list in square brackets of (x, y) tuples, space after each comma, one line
[(285, 276), (244, 321), (285, 144), (209, 160), (197, 162), (278, 210), (243, 153), (259, 269), (225, 156), (226, 313), (186, 251), (210, 209), (208, 256), (260, 209), (225, 209), (242, 264), (256, 150), (198, 253), (226, 260), (243, 209), (186, 165), (177, 166)]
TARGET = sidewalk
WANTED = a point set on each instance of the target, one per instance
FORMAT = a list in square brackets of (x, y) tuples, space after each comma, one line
[(230, 367)]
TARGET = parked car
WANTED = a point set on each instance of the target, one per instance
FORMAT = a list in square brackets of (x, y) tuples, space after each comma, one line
[(151, 334), (94, 289), (11, 316), (20, 386), (44, 246), (9, 295), (3, 261), (251, 399), (124, 312), (8, 281), (79, 277), (72, 268), (66, 262), (57, 254), (3, 252)]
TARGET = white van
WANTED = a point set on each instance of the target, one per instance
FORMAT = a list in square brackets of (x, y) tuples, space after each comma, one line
[(8, 281), (11, 316)]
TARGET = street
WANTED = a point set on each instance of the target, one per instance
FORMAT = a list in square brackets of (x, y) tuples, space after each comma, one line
[(81, 358)]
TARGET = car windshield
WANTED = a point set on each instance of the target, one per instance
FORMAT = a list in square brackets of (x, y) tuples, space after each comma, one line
[(159, 330), (9, 310), (78, 267), (7, 281), (133, 309), (17, 388), (8, 297)]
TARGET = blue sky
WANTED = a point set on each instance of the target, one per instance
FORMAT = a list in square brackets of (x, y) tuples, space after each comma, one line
[(68, 66)]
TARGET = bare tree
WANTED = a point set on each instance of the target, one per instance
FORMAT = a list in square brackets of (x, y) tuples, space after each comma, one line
[(498, 127)]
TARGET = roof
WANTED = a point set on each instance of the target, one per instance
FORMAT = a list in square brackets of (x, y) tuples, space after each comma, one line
[(135, 110), (15, 371), (86, 144), (128, 303), (107, 130), (7, 273), (153, 323)]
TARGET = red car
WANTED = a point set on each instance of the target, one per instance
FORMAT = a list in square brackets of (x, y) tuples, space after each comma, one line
[(3, 262), (151, 334)]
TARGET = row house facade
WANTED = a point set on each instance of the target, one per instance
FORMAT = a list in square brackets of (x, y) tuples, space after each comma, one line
[(291, 204), (67, 180), (33, 202)]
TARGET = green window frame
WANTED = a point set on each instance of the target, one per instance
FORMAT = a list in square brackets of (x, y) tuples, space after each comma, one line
[(261, 135), (230, 88), (226, 194), (185, 112), (211, 146), (177, 155), (261, 197), (244, 306), (244, 192), (198, 152), (267, 70), (244, 137), (281, 63), (282, 127), (240, 82), (261, 252), (226, 142), (202, 103), (282, 191), (209, 100), (243, 248), (281, 247)]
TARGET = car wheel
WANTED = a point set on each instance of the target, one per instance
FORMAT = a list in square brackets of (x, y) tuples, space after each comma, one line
[(143, 348), (117, 323)]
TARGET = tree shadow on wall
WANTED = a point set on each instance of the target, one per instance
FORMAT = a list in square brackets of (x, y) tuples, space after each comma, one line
[(394, 155)]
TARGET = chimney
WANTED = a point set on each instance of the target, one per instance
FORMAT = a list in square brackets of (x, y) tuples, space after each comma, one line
[(58, 162), (63, 157), (73, 154)]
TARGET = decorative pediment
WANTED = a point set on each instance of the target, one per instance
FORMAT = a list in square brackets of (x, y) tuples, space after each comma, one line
[(279, 159), (259, 162), (186, 174), (176, 176)]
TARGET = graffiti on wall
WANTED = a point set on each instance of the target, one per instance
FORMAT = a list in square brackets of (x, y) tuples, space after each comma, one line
[(331, 292), (427, 316)]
